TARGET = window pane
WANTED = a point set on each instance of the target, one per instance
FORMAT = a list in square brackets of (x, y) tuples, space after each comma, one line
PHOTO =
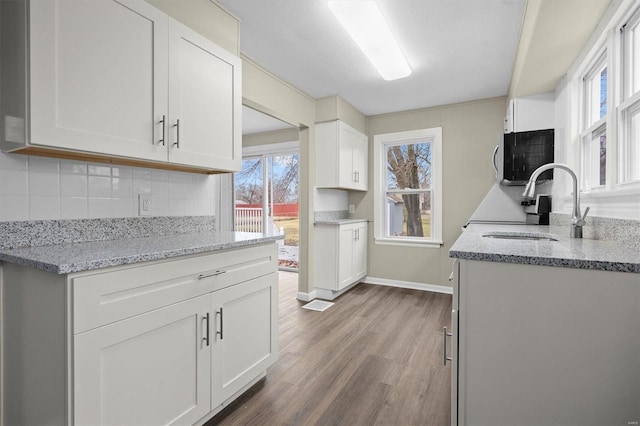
[(248, 182), (603, 93), (603, 158), (633, 53), (632, 161), (408, 215), (408, 166)]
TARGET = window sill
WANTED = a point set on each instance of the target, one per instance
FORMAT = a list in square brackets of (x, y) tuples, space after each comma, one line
[(408, 242)]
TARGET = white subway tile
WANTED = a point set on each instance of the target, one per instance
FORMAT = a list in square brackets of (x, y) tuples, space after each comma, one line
[(14, 207), (44, 207), (160, 175), (73, 185), (160, 206), (122, 171), (72, 167), (176, 190), (44, 184), (44, 164), (13, 161), (99, 186), (176, 206), (205, 207), (191, 207), (139, 173), (160, 189), (123, 207), (141, 186), (73, 208), (13, 182), (99, 170), (99, 208), (121, 188)]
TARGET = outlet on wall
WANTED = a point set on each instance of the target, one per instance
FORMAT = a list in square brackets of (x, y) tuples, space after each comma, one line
[(144, 205), (352, 208)]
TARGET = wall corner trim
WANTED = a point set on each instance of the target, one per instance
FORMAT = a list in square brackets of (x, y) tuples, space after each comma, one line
[(306, 297)]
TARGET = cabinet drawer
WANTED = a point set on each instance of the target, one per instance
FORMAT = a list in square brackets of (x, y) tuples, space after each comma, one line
[(105, 297)]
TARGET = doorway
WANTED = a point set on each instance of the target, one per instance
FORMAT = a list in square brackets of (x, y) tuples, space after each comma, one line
[(266, 189)]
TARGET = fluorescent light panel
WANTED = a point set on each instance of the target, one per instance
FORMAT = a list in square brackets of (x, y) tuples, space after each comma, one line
[(365, 24)]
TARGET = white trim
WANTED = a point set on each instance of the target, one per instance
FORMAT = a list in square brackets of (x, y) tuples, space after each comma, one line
[(409, 284), (434, 135), (408, 242), (306, 297), (271, 149), (323, 293)]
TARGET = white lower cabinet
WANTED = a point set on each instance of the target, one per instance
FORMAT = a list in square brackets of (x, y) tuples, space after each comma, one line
[(540, 345), (341, 256), (152, 369), (158, 343), (245, 336)]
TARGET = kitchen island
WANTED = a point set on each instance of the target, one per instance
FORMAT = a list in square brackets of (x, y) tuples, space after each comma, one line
[(151, 330), (544, 331)]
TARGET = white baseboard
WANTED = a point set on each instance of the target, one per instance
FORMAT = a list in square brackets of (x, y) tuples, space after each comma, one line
[(325, 294), (409, 284), (306, 297)]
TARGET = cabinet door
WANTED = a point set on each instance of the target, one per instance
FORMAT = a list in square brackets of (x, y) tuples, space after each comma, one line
[(204, 102), (360, 161), (98, 76), (154, 368), (245, 336), (347, 141), (360, 251), (346, 241)]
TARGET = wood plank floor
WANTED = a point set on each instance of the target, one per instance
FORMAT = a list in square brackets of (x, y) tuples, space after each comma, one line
[(374, 358)]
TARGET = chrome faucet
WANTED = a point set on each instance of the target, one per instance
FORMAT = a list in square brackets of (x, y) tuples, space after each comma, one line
[(577, 219)]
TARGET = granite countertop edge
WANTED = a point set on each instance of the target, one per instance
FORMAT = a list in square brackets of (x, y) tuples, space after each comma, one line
[(600, 255), (64, 258)]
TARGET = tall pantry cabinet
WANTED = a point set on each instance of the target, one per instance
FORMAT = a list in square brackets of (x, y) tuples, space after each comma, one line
[(117, 79)]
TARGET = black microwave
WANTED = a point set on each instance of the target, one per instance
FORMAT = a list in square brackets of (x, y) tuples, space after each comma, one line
[(522, 153)]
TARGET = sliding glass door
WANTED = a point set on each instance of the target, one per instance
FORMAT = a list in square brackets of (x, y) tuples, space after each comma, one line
[(266, 200)]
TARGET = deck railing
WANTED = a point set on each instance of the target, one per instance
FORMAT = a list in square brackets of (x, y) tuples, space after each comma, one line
[(248, 219)]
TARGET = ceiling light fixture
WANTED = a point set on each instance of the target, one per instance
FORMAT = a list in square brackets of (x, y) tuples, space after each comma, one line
[(365, 24)]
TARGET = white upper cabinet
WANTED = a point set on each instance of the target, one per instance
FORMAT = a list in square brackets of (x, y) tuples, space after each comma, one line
[(204, 103), (341, 151), (534, 112), (113, 79), (98, 76)]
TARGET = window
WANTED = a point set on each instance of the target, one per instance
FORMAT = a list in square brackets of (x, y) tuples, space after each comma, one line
[(594, 135), (408, 187), (629, 146)]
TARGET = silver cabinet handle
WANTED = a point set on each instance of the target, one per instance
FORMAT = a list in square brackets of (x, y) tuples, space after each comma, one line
[(493, 160), (212, 274), (206, 336), (163, 122), (220, 333), (445, 358), (177, 126)]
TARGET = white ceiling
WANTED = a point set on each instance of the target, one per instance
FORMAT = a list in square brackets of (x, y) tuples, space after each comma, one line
[(459, 50)]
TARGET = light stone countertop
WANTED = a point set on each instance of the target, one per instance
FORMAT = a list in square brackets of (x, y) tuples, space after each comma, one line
[(85, 256), (605, 255), (339, 221)]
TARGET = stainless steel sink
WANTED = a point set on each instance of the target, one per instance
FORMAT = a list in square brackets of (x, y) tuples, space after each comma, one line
[(533, 236)]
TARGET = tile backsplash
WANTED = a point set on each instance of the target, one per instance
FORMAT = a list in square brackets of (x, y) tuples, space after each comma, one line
[(40, 188)]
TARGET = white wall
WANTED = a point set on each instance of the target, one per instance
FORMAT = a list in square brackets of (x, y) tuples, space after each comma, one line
[(33, 188)]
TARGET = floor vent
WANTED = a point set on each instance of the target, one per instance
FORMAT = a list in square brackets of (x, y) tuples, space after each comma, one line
[(318, 305)]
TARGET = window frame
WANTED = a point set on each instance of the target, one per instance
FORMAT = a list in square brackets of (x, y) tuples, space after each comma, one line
[(380, 142), (593, 128)]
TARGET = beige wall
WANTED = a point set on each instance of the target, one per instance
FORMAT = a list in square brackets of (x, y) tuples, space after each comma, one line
[(265, 92), (207, 18), (470, 131), (335, 108)]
